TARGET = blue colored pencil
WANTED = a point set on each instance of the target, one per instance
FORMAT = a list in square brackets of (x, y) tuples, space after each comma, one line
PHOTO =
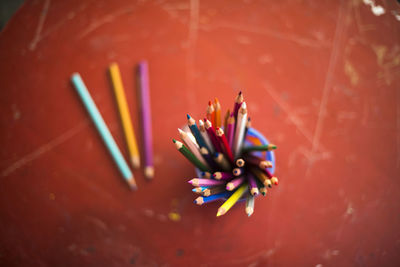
[(103, 130), (196, 133), (202, 200)]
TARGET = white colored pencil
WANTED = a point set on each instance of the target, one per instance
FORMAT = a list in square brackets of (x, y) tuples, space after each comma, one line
[(193, 147), (240, 129)]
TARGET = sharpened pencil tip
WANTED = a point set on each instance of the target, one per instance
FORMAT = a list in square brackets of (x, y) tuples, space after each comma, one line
[(135, 162), (174, 141), (188, 116), (209, 103), (132, 184), (149, 172)]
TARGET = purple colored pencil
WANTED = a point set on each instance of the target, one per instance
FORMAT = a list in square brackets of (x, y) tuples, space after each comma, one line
[(222, 175), (143, 70), (252, 184), (230, 130), (205, 182)]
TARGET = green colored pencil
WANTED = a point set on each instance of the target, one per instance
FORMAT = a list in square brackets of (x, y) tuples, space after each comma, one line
[(189, 155), (258, 148)]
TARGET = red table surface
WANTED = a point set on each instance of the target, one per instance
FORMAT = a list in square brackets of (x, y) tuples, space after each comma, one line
[(321, 80)]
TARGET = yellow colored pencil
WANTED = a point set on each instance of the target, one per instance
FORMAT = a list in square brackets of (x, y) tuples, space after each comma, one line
[(125, 115), (232, 200)]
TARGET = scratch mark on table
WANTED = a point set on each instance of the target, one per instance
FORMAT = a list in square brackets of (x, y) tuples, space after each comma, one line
[(292, 117), (192, 39), (42, 19), (278, 35), (104, 20), (339, 33), (44, 148)]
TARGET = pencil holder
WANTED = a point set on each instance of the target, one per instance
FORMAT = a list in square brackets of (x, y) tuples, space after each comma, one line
[(233, 166)]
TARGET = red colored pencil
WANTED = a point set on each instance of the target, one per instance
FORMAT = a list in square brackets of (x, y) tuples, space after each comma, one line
[(213, 136), (224, 143)]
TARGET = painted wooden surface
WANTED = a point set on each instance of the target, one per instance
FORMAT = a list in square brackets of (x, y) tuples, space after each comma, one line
[(321, 80)]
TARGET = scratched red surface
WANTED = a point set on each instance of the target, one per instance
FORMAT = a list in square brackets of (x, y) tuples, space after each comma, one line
[(321, 79)]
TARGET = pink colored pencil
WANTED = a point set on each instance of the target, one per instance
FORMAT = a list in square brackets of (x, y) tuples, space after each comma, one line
[(224, 143), (213, 137), (205, 182), (146, 118), (234, 183), (230, 131)]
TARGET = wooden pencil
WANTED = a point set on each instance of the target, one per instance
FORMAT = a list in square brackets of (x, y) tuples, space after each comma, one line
[(239, 131), (124, 114), (196, 133), (230, 131), (217, 117), (232, 200), (145, 108), (273, 179), (222, 175), (189, 155), (222, 161), (210, 112), (238, 102), (213, 190), (224, 143), (257, 161), (228, 113), (268, 147), (103, 130), (261, 176), (252, 184), (238, 171), (206, 175), (193, 147), (240, 162), (208, 158), (212, 135), (202, 200), (235, 183), (205, 182), (249, 205), (206, 138)]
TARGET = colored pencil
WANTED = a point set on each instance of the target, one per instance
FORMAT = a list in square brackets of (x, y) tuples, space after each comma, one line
[(146, 118), (205, 182), (208, 158), (238, 171), (262, 177), (198, 189), (248, 149), (217, 117), (248, 125), (252, 184), (222, 175), (193, 147), (206, 175), (230, 131), (235, 183), (213, 190), (213, 136), (228, 113), (202, 200), (103, 130), (238, 102), (273, 179), (263, 190), (205, 136), (224, 143), (257, 161), (196, 133), (210, 112), (222, 161), (240, 162), (240, 128), (232, 200), (189, 155), (249, 205), (124, 114)]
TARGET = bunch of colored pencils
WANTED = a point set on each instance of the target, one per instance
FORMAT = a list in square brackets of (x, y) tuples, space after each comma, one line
[(130, 139), (230, 170)]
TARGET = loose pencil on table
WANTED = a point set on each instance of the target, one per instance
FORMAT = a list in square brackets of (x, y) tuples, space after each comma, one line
[(233, 161)]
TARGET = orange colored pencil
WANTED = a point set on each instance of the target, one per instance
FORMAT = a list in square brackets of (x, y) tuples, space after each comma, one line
[(217, 110)]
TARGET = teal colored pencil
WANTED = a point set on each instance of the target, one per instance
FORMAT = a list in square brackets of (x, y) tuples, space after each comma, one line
[(103, 130)]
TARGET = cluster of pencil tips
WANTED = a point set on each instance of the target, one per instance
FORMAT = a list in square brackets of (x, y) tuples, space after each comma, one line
[(102, 128), (230, 170)]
